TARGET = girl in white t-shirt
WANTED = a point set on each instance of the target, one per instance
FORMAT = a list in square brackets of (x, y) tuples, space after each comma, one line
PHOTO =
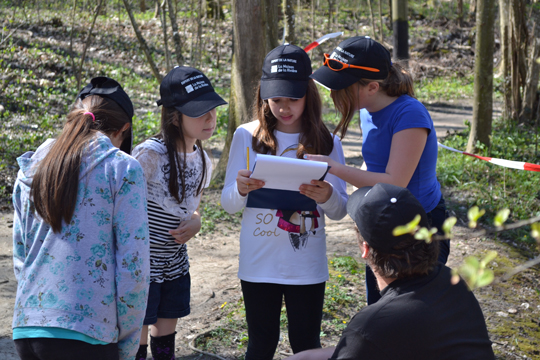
[(176, 169), (283, 251)]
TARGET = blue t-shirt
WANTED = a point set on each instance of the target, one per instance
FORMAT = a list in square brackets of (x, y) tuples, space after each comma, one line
[(379, 127)]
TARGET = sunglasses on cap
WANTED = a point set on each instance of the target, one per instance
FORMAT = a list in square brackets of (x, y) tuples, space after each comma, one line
[(337, 65)]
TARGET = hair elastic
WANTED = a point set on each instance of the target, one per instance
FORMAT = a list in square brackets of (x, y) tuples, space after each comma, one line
[(89, 113)]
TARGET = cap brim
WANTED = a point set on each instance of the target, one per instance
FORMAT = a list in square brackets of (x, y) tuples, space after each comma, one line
[(274, 88), (201, 105), (333, 80)]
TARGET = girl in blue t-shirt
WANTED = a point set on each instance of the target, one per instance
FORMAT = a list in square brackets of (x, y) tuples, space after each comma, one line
[(399, 140)]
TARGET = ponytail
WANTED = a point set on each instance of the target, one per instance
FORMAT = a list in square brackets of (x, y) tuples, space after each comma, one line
[(398, 82), (56, 180)]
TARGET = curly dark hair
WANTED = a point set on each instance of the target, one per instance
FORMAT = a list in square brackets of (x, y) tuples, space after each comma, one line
[(417, 258)]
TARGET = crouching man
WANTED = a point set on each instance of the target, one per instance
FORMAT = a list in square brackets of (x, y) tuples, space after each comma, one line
[(421, 315)]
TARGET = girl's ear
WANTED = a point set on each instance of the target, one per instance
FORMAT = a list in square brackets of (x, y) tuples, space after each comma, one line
[(373, 87), (121, 131)]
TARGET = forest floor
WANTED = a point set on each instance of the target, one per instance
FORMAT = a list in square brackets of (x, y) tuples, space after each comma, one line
[(511, 309)]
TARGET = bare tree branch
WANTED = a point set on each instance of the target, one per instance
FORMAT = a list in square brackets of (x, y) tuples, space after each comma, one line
[(87, 42), (142, 43)]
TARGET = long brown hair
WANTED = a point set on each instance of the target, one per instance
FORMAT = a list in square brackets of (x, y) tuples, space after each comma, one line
[(171, 134), (315, 138), (398, 82), (56, 180)]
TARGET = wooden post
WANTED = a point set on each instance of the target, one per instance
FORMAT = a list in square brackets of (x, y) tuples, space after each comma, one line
[(400, 26)]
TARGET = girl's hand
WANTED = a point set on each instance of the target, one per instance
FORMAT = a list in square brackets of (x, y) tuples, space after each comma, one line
[(186, 230), (245, 184), (320, 191), (323, 158)]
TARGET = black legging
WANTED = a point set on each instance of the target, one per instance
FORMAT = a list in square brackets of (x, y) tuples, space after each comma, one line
[(263, 303), (63, 349)]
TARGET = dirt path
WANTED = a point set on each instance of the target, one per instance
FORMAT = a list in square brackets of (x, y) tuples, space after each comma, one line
[(214, 260)]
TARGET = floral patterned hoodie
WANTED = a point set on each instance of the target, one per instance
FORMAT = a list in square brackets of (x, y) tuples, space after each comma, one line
[(93, 277)]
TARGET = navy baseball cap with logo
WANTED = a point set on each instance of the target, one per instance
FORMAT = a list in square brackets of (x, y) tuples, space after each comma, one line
[(377, 210), (189, 91), (286, 72), (371, 60), (111, 89)]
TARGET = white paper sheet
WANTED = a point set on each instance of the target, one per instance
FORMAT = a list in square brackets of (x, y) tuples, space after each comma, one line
[(286, 173)]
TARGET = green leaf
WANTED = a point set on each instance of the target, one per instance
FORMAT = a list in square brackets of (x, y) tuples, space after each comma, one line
[(104, 266), (474, 214), (535, 231), (501, 217), (98, 263), (409, 228), (448, 225), (485, 278), (490, 256), (472, 261)]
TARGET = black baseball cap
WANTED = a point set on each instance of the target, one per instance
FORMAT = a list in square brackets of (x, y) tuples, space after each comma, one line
[(359, 51), (111, 89), (286, 72), (377, 210), (189, 91)]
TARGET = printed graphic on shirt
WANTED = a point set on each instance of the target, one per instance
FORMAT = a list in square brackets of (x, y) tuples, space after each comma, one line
[(299, 224)]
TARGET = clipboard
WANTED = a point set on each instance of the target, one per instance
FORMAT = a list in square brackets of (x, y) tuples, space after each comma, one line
[(283, 177)]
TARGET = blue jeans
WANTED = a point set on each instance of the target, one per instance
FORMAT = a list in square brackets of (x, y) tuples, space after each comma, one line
[(436, 219)]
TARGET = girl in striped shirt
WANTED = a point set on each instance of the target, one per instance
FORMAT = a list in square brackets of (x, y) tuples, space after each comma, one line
[(176, 169)]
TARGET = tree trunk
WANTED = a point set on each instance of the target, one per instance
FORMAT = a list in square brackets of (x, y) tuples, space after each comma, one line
[(142, 5), (373, 28), (163, 19), (460, 13), (176, 35), (253, 21), (518, 49), (505, 60), (400, 25), (530, 87), (483, 76), (157, 10), (142, 43), (381, 36), (331, 10), (288, 12)]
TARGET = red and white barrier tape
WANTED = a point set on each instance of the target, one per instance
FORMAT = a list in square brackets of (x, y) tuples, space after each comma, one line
[(320, 40), (520, 165)]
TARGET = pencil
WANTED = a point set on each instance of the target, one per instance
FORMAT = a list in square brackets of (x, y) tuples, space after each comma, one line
[(247, 162)]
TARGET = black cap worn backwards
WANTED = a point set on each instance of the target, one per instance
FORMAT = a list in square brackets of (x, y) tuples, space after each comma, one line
[(111, 89), (359, 51), (189, 91), (378, 210), (286, 72)]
